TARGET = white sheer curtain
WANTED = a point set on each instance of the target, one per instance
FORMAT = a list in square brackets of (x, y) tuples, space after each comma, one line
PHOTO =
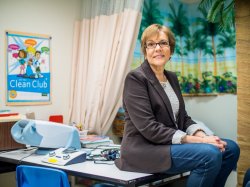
[(104, 42)]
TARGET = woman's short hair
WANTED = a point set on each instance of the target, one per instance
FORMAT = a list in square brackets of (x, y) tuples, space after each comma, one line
[(153, 30)]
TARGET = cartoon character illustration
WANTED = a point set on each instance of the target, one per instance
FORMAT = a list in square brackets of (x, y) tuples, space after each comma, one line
[(37, 63), (22, 54), (31, 52), (29, 72)]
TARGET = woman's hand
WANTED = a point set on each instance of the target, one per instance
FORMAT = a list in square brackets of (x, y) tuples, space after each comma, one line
[(200, 133), (215, 140), (202, 138)]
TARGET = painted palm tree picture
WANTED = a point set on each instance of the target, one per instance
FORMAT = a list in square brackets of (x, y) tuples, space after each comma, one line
[(205, 57)]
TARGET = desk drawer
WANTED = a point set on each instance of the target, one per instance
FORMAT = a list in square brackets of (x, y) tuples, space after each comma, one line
[(6, 140)]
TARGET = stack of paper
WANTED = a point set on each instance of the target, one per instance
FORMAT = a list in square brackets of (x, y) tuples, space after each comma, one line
[(93, 141)]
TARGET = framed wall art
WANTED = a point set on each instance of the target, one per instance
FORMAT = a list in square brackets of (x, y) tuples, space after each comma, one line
[(204, 58), (28, 77)]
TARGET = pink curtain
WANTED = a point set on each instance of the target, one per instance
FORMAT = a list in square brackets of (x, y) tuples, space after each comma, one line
[(102, 55)]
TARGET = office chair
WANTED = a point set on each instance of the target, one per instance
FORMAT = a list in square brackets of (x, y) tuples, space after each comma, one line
[(35, 176)]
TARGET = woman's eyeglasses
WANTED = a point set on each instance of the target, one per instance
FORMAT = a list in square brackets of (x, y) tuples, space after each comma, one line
[(152, 45)]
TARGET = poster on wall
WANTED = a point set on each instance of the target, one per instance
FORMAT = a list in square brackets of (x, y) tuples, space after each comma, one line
[(205, 56), (28, 62)]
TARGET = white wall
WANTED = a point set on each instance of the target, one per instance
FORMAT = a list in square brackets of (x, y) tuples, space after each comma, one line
[(51, 17), (219, 113)]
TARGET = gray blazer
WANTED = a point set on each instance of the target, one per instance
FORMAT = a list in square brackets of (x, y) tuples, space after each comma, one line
[(150, 123)]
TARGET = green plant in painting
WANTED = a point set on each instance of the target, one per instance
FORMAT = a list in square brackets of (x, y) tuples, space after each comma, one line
[(220, 11), (209, 29), (208, 83), (227, 40), (179, 25), (201, 44), (150, 15), (227, 83)]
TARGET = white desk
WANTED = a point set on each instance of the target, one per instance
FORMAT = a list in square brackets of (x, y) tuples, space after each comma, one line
[(12, 118), (88, 169)]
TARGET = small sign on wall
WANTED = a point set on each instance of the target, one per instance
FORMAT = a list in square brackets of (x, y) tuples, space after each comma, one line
[(28, 62)]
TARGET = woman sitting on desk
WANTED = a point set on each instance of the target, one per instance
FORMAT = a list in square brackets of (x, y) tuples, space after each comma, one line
[(159, 135)]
